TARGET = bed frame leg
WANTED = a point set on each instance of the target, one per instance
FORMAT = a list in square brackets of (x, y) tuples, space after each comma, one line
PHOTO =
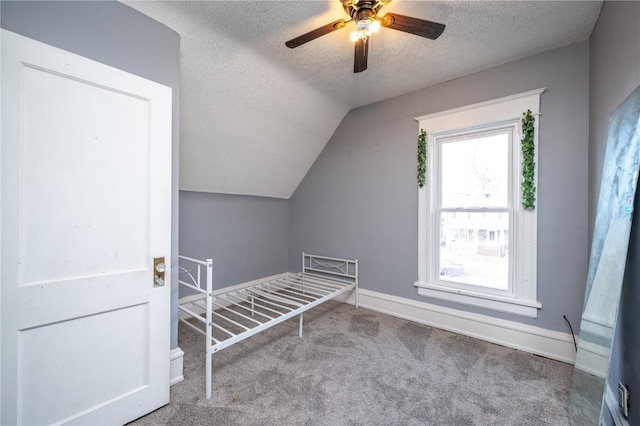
[(208, 373), (300, 327), (253, 306), (357, 285), (209, 327)]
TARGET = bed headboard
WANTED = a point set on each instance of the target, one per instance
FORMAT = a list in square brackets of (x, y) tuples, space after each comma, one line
[(339, 269)]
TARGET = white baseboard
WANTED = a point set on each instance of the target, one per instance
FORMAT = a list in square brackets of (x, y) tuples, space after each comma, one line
[(175, 366), (611, 401), (548, 343)]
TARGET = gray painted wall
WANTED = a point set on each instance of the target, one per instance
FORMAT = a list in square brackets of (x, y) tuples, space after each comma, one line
[(615, 73), (360, 197), (116, 35), (247, 237)]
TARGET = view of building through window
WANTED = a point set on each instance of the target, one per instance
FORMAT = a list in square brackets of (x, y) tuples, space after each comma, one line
[(475, 210)]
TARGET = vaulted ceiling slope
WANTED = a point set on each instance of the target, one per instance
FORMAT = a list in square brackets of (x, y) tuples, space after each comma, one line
[(255, 114)]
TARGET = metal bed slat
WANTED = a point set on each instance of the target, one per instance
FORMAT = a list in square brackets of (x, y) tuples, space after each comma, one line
[(315, 285), (306, 286), (291, 290), (270, 302), (228, 320), (324, 281), (267, 299), (193, 314), (270, 283), (302, 280), (297, 278), (201, 303), (307, 289), (191, 298), (192, 326), (226, 299), (282, 286), (235, 312), (256, 303), (303, 301), (222, 329), (268, 287), (276, 294), (272, 296), (256, 294), (318, 286), (323, 284)]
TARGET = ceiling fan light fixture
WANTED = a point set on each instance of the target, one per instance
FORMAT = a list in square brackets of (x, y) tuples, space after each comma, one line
[(365, 27)]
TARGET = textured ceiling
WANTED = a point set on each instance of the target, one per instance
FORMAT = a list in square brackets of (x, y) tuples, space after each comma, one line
[(256, 114)]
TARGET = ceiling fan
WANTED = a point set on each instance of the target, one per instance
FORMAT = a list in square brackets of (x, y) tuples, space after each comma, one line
[(364, 13)]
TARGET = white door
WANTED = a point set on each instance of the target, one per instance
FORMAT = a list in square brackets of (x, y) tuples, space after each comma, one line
[(85, 185)]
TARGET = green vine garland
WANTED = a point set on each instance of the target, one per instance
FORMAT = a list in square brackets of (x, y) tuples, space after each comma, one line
[(528, 163), (422, 158)]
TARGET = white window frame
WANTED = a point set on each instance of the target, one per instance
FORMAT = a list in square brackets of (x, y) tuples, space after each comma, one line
[(521, 298), (437, 209)]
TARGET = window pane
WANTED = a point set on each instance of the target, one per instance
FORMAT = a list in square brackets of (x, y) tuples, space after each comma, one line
[(475, 171), (474, 249)]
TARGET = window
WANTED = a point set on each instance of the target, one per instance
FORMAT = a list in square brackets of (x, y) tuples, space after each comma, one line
[(477, 245)]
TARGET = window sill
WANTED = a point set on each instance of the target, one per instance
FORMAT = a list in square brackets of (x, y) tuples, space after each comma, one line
[(523, 308)]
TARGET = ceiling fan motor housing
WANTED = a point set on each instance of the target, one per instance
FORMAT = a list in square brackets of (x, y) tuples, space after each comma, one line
[(363, 9)]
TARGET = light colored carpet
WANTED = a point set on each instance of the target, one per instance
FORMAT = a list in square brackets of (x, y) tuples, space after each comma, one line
[(359, 367)]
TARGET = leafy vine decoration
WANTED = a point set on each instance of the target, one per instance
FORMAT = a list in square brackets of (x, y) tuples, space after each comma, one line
[(528, 164), (422, 158)]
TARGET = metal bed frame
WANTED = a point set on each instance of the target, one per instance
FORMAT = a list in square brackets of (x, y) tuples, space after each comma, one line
[(232, 314)]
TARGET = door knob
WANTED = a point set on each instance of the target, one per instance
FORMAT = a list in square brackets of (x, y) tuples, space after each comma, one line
[(159, 268)]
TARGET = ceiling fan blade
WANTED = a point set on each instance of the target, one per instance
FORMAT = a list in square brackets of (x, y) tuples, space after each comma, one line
[(360, 57), (411, 25), (318, 32)]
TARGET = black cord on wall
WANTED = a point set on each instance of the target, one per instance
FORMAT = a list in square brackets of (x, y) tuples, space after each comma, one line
[(571, 328)]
